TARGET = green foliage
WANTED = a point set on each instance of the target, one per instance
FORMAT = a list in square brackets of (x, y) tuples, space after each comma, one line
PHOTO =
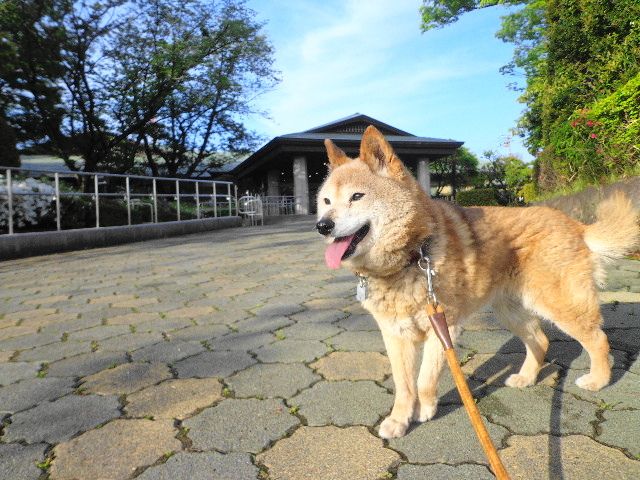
[(581, 62), (8, 153), (106, 80), (465, 165), (477, 197)]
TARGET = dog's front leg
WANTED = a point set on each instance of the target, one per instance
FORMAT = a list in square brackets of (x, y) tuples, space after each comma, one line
[(432, 362), (402, 354)]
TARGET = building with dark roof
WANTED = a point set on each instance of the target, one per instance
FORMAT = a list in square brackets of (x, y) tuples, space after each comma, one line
[(295, 163)]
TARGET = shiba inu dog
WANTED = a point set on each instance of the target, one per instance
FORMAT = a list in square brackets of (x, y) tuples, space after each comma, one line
[(529, 263)]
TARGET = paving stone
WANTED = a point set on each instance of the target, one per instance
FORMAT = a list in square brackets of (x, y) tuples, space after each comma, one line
[(16, 331), (620, 429), (213, 364), (134, 443), (443, 472), (272, 380), (167, 352), (27, 393), (165, 325), (174, 398), (132, 318), (18, 462), (353, 366), (86, 364), (626, 339), (538, 409), (358, 342), (308, 331), (282, 310), (329, 303), (5, 356), (240, 425), (290, 351), (190, 312), (572, 355), (130, 342), (57, 421), (241, 341), (28, 341), (494, 369), (447, 438), (46, 300), (198, 333), (15, 371), (622, 393), (29, 314), (261, 325), (362, 322), (490, 342), (99, 333), (54, 351), (343, 403), (319, 316), (70, 325), (204, 466), (127, 378), (543, 457), (329, 453)]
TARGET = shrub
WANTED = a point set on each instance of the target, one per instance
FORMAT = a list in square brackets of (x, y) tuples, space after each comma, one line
[(32, 201), (477, 197)]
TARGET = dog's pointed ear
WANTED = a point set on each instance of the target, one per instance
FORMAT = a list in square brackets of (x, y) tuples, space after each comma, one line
[(336, 156), (378, 154)]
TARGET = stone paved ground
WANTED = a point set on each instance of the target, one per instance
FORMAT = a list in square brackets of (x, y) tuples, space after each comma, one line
[(238, 355)]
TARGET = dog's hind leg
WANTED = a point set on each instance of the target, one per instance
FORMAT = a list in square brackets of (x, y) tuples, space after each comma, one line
[(525, 326), (432, 362), (402, 354), (581, 319)]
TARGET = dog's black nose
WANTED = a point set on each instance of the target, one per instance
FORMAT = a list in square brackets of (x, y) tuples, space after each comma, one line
[(325, 226)]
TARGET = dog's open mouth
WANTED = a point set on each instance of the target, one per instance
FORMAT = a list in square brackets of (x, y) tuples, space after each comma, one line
[(343, 247)]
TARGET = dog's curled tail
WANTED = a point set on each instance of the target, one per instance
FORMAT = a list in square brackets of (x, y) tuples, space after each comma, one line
[(616, 231)]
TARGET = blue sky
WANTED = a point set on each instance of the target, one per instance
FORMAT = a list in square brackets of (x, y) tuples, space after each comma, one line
[(337, 58)]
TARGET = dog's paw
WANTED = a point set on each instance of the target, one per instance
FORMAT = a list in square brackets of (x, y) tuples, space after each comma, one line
[(425, 411), (519, 381), (391, 428), (589, 382)]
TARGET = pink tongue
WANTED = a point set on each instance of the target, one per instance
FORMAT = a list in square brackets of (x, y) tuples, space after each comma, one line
[(334, 252)]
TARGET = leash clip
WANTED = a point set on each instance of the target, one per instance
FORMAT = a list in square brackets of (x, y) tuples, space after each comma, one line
[(424, 264)]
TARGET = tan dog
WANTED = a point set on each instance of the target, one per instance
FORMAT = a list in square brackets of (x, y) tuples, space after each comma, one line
[(530, 263)]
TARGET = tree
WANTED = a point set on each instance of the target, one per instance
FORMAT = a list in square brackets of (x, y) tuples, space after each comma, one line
[(201, 119), (8, 153), (134, 76), (508, 175), (456, 170), (581, 62)]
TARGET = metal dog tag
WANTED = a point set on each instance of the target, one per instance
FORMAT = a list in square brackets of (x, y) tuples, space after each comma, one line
[(362, 290)]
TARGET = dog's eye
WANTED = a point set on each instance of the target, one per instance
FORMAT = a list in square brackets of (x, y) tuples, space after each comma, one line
[(356, 196), (327, 201)]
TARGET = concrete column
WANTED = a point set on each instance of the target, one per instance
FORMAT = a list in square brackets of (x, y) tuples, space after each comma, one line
[(273, 183), (424, 177), (301, 185)]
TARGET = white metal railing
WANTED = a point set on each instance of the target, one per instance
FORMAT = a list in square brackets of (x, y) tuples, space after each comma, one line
[(181, 198), (279, 205)]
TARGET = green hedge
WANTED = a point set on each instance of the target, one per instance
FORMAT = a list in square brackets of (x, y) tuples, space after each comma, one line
[(477, 197)]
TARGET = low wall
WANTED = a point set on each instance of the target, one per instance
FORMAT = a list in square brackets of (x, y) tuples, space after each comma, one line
[(582, 205), (42, 243)]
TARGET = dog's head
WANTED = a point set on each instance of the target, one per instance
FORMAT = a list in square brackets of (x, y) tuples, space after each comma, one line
[(369, 208)]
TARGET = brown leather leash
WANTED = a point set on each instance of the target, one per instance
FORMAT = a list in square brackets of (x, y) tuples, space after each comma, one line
[(438, 320)]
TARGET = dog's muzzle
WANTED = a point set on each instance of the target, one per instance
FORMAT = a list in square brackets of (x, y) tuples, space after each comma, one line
[(325, 226)]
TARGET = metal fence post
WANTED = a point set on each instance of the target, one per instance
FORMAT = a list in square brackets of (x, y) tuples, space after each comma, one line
[(198, 200), (229, 197), (235, 188), (128, 198), (178, 197), (95, 185), (9, 203), (155, 202), (56, 178), (215, 200)]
